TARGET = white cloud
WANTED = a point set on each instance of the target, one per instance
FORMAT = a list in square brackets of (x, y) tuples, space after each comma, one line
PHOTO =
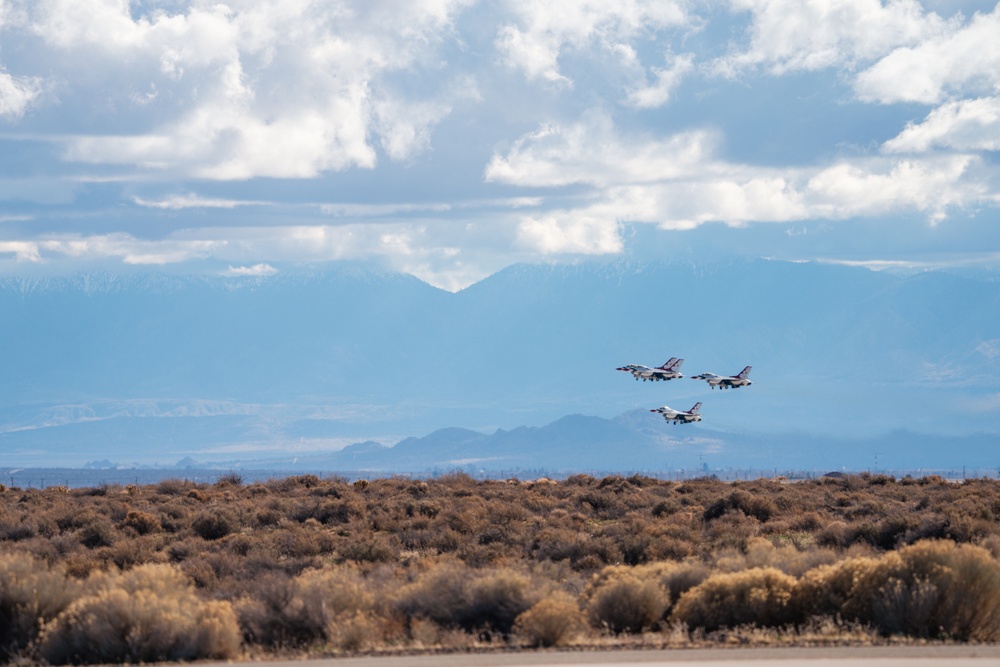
[(790, 35), (404, 125), (931, 186), (23, 251), (260, 270), (878, 264), (17, 94), (419, 248), (667, 79), (591, 151), (963, 60), (570, 233), (129, 249), (540, 32), (965, 125), (171, 91), (678, 183), (378, 210), (990, 349), (252, 88), (179, 202)]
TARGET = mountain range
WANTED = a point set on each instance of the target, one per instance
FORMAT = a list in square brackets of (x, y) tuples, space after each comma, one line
[(154, 367)]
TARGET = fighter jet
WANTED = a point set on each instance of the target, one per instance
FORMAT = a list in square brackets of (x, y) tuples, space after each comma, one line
[(668, 371), (679, 416), (726, 381)]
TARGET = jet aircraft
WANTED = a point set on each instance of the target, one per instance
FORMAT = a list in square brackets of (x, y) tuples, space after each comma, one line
[(726, 381), (679, 416), (668, 371)]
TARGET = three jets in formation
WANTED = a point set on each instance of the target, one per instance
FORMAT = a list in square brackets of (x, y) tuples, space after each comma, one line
[(671, 371)]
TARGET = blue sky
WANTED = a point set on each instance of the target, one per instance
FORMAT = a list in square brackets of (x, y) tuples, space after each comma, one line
[(450, 138)]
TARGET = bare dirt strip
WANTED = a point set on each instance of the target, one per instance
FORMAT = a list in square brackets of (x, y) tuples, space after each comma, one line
[(868, 656)]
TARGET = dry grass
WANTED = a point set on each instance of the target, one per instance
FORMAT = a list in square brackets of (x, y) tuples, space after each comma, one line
[(554, 620)]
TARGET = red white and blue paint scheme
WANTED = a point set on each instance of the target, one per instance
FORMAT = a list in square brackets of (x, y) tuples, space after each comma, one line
[(679, 416), (668, 371), (726, 381)]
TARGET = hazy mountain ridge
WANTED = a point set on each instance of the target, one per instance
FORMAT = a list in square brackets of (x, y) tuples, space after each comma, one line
[(321, 360), (634, 442)]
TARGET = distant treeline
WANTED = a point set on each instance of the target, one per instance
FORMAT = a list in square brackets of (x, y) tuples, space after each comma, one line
[(182, 570)]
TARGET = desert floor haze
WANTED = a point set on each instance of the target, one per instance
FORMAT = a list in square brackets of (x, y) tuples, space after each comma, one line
[(310, 566)]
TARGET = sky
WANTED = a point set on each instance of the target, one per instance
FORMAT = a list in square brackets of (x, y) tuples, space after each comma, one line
[(451, 138)]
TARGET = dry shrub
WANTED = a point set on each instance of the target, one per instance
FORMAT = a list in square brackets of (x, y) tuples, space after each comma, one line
[(678, 577), (834, 534), (497, 598), (173, 487), (142, 522), (951, 590), (304, 610), (761, 552), (355, 631), (732, 530), (620, 601), (761, 508), (552, 621), (99, 533), (377, 548), (30, 594), (758, 595), (212, 526), (136, 551), (151, 613), (454, 595), (331, 592), (929, 589), (274, 617), (424, 632), (230, 479), (829, 590)]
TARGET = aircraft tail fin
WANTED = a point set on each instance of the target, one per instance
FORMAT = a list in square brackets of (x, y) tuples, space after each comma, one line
[(745, 373), (676, 366), (696, 408), (666, 366)]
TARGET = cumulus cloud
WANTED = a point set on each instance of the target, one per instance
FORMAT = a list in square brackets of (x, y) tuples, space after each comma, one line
[(666, 80), (476, 135), (591, 151), (540, 33), (962, 60), (571, 233), (17, 94), (964, 125), (788, 35), (931, 186), (679, 183), (23, 251), (248, 89)]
